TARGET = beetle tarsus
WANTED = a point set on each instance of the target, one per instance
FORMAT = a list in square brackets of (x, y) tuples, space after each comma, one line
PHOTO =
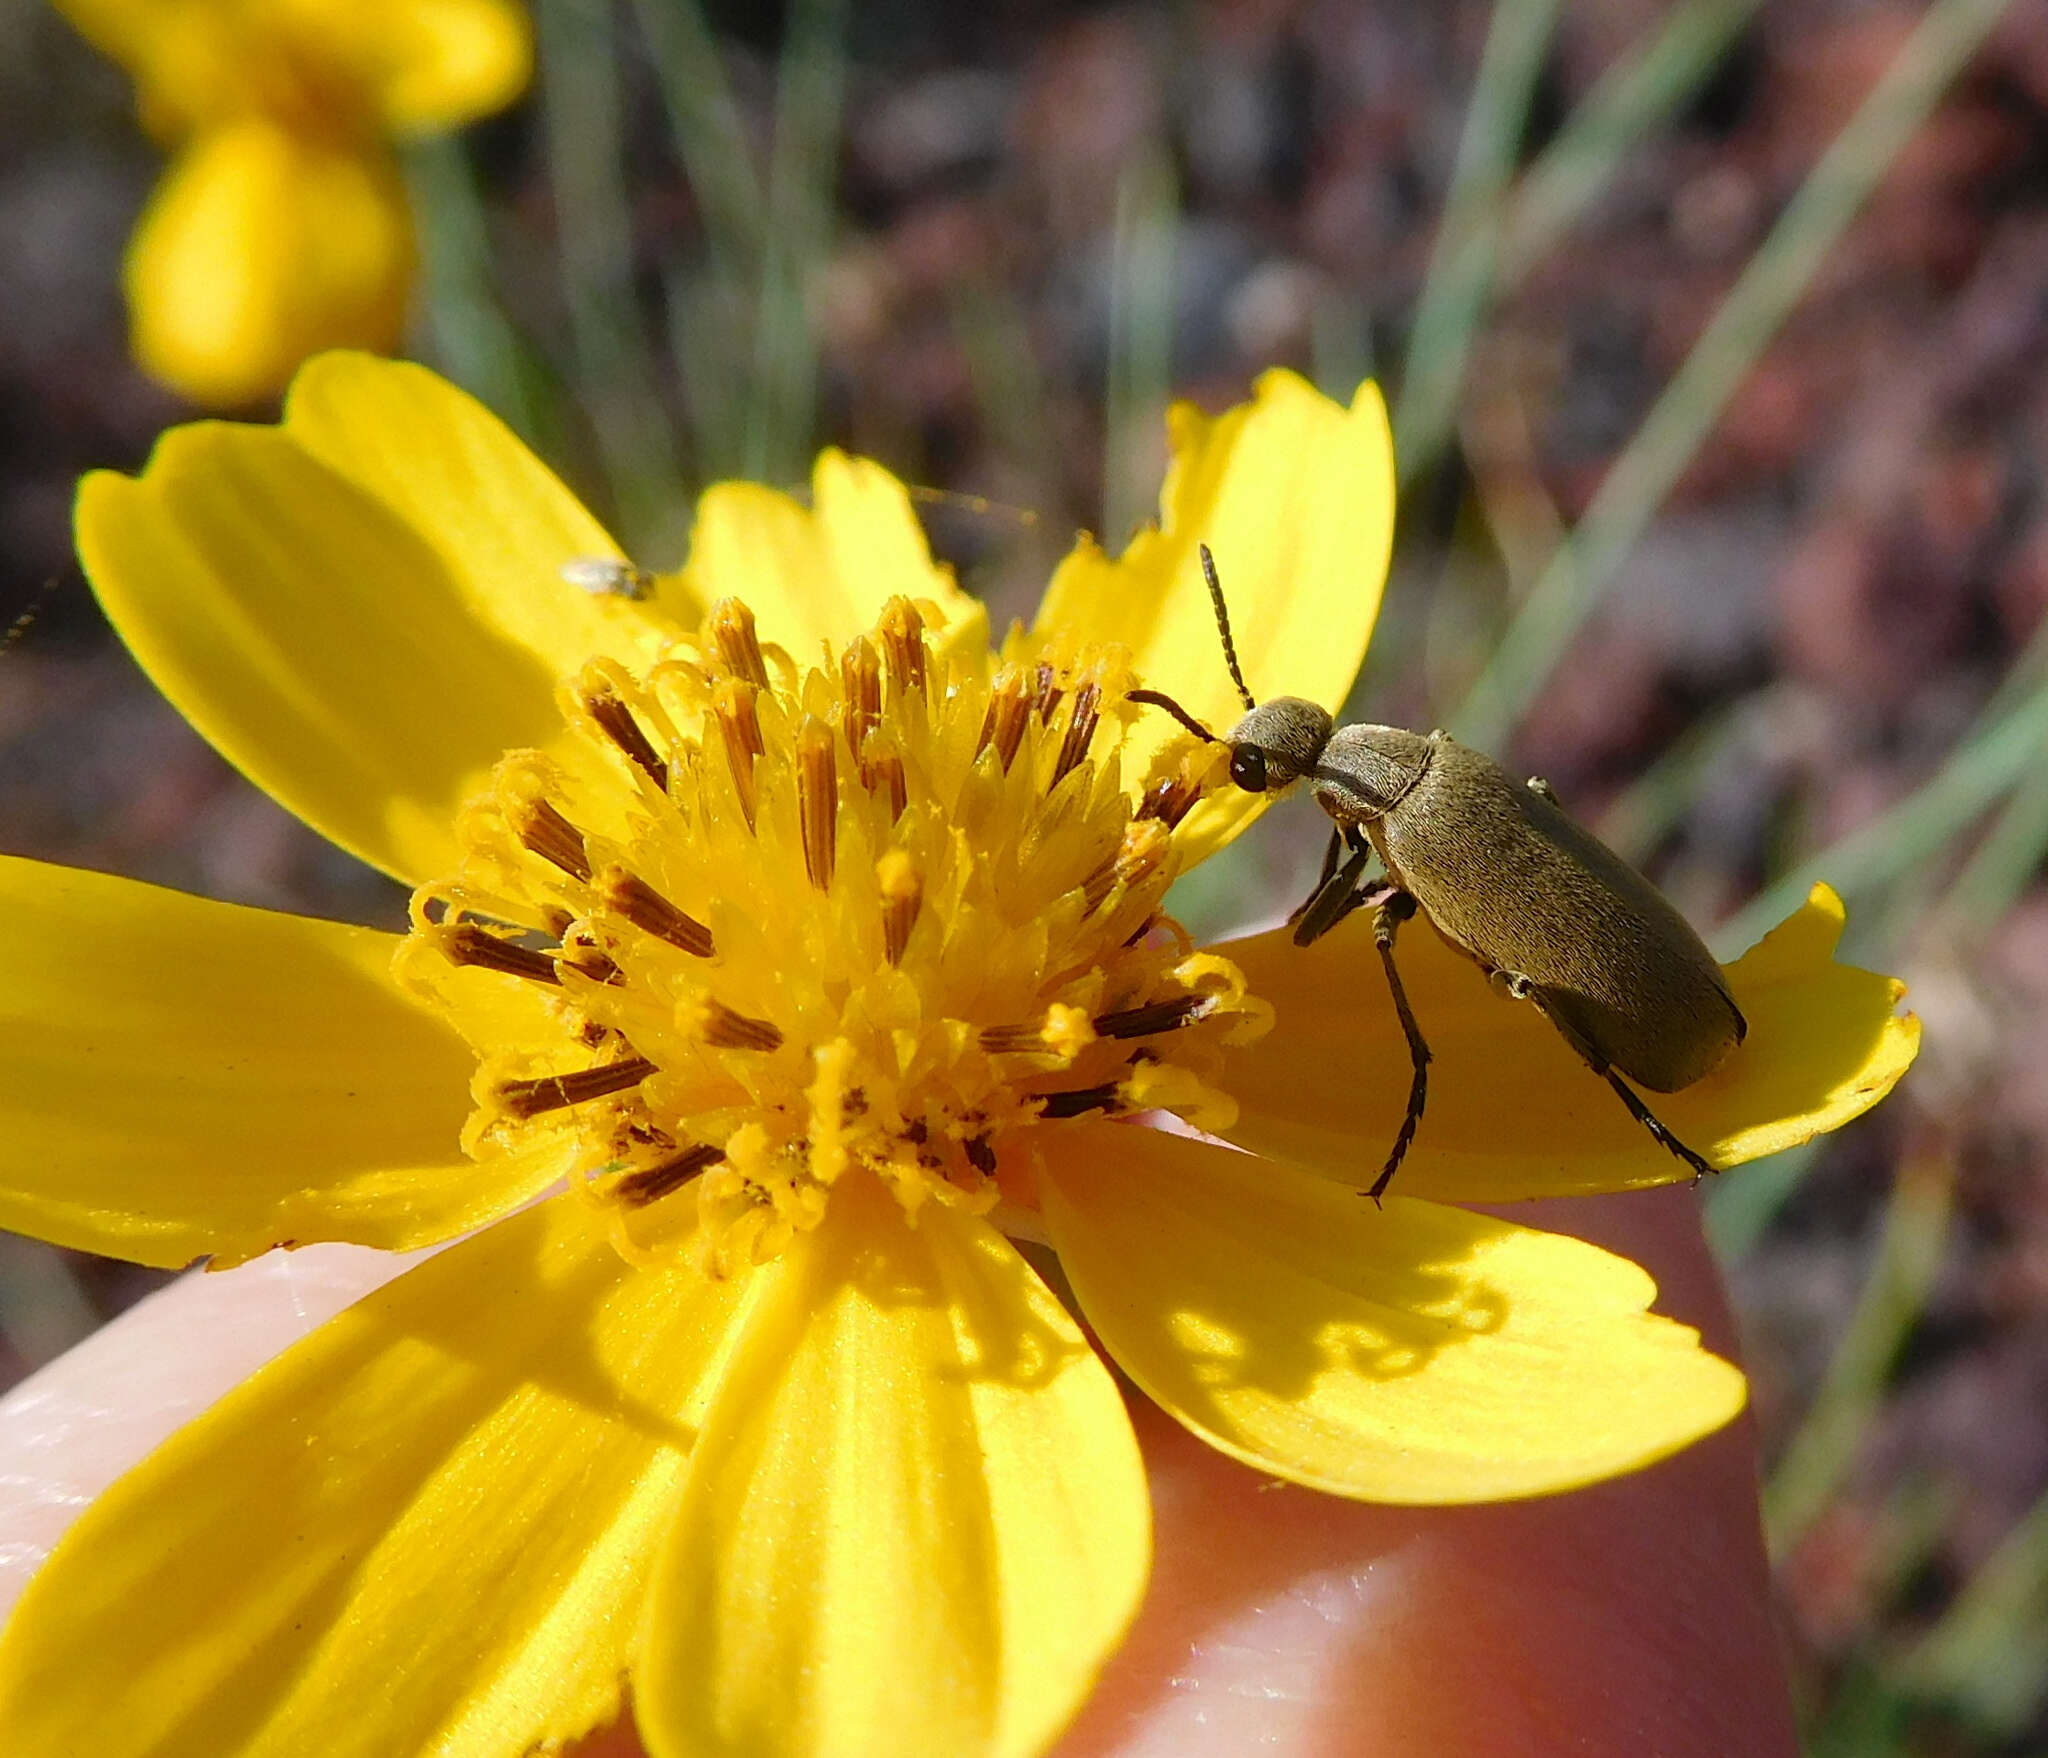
[(1643, 1115), (1393, 910)]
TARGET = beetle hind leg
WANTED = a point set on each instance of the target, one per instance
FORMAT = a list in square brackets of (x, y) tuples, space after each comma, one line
[(1642, 1113), (1391, 913)]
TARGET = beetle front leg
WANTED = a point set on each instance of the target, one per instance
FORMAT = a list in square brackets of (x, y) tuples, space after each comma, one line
[(1393, 911), (1338, 892)]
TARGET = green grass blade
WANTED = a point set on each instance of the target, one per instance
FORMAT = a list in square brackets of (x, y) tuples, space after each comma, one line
[(1141, 321), (1740, 1205), (1988, 1654), (803, 173), (1586, 564), (1461, 261)]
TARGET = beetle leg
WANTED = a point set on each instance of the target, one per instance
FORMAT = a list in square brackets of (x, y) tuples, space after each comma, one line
[(1636, 1108), (1391, 913), (1332, 852), (1338, 893)]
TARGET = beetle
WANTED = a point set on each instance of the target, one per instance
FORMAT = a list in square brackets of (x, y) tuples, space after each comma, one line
[(1548, 911)]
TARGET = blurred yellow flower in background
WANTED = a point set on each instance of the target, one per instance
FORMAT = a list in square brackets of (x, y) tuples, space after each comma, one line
[(282, 227), (821, 949)]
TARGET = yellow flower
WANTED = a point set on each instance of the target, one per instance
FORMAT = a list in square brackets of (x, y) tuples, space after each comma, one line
[(281, 227), (818, 949)]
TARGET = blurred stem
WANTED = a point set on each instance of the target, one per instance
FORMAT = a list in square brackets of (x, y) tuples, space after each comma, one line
[(1740, 1208), (466, 331), (2005, 862), (1461, 261), (1633, 98), (1770, 286), (803, 172), (1141, 319), (614, 371), (1909, 1254), (1988, 1655)]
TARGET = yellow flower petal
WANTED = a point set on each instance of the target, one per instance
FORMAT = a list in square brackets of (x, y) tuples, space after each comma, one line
[(262, 246), (1294, 494), (1414, 1353), (820, 574), (180, 1077), (1512, 1111), (917, 1513), (441, 63), (362, 609), (424, 1529)]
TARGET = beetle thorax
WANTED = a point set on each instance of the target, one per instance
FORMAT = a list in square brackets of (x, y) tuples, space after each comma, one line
[(1366, 771)]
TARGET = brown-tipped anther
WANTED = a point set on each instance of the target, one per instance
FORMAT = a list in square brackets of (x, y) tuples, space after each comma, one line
[(649, 1184), (1046, 692), (469, 944), (591, 962), (551, 836), (1170, 799), (884, 775), (1154, 1016), (1080, 1102), (615, 720), (556, 920), (731, 625), (860, 674), (555, 1092), (1013, 1040), (732, 701), (723, 1029), (1009, 713), (1080, 729), (1143, 852), (980, 1155), (817, 800), (651, 913), (902, 888), (903, 656)]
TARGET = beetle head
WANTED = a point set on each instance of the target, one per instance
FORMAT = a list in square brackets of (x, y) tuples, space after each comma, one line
[(1277, 743)]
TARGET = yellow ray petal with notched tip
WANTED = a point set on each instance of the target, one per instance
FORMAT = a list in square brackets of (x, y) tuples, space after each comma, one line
[(1412, 1353), (917, 1520), (361, 609), (818, 575), (1512, 1112), (1294, 494), (426, 1528), (179, 1077)]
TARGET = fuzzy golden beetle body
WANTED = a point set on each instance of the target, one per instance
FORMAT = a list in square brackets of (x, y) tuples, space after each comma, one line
[(1547, 910)]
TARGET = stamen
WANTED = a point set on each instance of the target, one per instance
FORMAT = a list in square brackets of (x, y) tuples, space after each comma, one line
[(468, 944), (980, 1155), (551, 836), (902, 888), (817, 800), (1154, 1016), (1046, 694), (1081, 1101), (590, 961), (652, 913), (860, 674), (1144, 848), (1009, 713), (1080, 729), (615, 720), (885, 774), (732, 701), (555, 1092), (1170, 799), (650, 1183), (903, 655), (738, 647), (724, 1029)]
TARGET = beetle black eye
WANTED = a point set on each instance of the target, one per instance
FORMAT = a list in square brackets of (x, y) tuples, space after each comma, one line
[(1248, 768)]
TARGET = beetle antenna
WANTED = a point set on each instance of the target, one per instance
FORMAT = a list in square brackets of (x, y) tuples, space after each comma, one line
[(1159, 699), (1223, 624)]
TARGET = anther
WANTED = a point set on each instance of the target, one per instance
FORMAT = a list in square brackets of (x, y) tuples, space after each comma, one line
[(615, 720), (817, 800), (860, 674), (1046, 692), (651, 1183), (1009, 713), (651, 913), (1155, 1016), (469, 944), (551, 836), (884, 775), (980, 1155), (1080, 1101), (555, 1092), (1080, 729), (722, 1028), (1170, 799), (903, 656), (902, 888), (1141, 854), (590, 962), (732, 700), (739, 648)]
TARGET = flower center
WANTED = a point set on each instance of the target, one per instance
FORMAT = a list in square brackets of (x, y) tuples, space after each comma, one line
[(896, 917)]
